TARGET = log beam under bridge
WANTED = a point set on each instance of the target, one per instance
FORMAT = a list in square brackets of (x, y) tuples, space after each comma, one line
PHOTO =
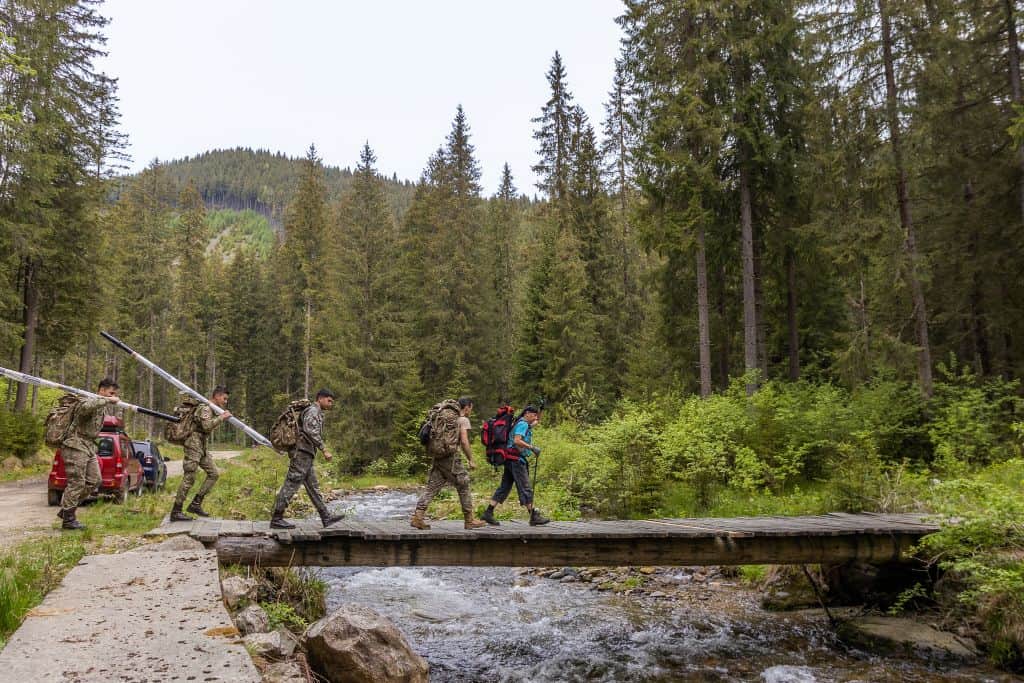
[(831, 538)]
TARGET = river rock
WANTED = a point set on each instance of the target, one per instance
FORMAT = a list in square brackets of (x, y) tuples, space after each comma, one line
[(277, 644), (10, 463), (785, 588), (890, 635), (252, 619), (355, 644), (647, 570), (235, 589), (284, 672)]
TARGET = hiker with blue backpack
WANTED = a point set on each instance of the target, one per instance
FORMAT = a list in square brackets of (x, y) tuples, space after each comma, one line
[(517, 468)]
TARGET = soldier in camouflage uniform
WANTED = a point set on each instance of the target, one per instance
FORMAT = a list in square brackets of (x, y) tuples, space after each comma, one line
[(300, 466), (79, 452), (446, 467), (204, 421)]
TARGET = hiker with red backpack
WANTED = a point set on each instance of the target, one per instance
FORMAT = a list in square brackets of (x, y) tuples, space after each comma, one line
[(517, 469)]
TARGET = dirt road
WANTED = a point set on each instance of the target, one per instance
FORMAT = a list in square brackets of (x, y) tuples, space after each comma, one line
[(23, 508)]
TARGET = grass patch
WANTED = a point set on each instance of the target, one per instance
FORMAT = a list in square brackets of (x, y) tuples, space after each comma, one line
[(28, 571), (36, 469)]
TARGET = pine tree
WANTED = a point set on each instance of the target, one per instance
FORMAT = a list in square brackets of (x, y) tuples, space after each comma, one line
[(301, 263), (504, 226), (553, 134), (366, 347)]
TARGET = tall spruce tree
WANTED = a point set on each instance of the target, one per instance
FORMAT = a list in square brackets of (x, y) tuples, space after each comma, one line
[(301, 265), (366, 350)]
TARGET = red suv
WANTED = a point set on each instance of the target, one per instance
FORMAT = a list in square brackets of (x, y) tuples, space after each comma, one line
[(120, 470)]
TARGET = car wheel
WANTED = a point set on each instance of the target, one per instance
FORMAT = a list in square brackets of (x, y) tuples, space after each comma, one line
[(53, 497), (140, 488), (121, 497)]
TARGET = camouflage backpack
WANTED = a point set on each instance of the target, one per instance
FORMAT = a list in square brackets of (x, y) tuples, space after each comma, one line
[(178, 432), (61, 420), (284, 434), (443, 419)]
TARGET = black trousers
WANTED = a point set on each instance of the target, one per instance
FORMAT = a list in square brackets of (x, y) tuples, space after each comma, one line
[(516, 472)]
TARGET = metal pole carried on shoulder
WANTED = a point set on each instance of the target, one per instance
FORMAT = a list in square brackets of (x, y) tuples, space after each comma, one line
[(233, 421), (40, 382)]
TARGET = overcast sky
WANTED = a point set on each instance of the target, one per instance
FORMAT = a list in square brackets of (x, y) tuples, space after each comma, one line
[(199, 75)]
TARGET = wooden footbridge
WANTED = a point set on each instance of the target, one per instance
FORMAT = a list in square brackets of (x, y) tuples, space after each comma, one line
[(830, 538)]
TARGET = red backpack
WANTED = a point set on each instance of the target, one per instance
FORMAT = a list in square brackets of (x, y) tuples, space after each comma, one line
[(495, 433)]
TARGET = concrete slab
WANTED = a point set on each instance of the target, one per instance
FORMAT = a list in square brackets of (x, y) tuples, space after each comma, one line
[(131, 617), (169, 528)]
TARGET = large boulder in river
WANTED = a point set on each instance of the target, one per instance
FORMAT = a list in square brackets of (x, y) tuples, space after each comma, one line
[(355, 644)]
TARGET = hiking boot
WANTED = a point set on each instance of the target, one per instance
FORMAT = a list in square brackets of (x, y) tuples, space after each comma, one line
[(196, 507), (331, 519), (473, 523), (418, 521), (280, 523), (488, 517), (537, 519), (70, 521), (178, 516)]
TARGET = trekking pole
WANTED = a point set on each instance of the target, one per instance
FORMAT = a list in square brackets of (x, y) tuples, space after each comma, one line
[(233, 421), (40, 382)]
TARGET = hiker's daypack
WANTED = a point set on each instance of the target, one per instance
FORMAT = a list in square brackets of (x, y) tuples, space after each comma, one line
[(178, 432), (495, 434), (61, 420), (441, 429), (284, 435)]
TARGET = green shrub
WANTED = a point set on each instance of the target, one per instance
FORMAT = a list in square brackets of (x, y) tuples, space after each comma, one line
[(21, 434)]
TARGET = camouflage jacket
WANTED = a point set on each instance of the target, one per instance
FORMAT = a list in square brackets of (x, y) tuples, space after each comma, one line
[(203, 422), (88, 422), (311, 430)]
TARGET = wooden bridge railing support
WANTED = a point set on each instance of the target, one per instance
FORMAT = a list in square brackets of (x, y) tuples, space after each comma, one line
[(503, 551)]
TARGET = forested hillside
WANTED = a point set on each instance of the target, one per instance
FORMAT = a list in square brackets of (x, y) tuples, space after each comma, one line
[(264, 181), (788, 251)]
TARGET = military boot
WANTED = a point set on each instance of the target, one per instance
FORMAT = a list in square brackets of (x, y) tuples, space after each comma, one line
[(178, 516), (70, 521), (418, 521), (277, 520), (328, 520), (488, 517), (537, 519), (196, 507), (472, 523)]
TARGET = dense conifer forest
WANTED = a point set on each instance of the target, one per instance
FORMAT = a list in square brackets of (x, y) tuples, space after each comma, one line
[(785, 257)]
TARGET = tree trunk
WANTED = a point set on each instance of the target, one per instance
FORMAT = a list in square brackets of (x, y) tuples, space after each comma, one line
[(1013, 54), (35, 388), (150, 426), (749, 295), (702, 316), (88, 364), (309, 316), (791, 317), (924, 358), (30, 320), (762, 332), (725, 345)]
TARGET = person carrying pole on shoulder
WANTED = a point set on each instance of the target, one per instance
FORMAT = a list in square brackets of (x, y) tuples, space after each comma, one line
[(300, 467), (449, 432), (78, 451), (517, 469), (197, 456)]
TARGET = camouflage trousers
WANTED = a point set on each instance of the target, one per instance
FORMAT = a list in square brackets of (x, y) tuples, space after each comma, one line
[(447, 470), (194, 461), (300, 473), (83, 472)]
